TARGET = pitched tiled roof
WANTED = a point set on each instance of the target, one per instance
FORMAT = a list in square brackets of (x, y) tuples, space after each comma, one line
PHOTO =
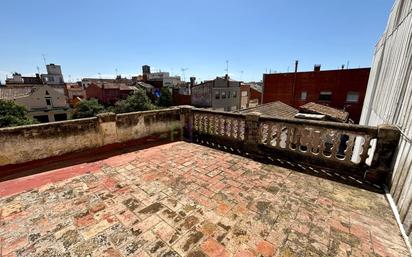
[(276, 109), (14, 92), (331, 113), (121, 86)]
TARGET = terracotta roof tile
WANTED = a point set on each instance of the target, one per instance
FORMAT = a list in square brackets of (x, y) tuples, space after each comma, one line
[(276, 109), (331, 113)]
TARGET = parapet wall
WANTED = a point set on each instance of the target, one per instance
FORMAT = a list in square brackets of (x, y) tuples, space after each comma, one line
[(358, 151), (34, 142)]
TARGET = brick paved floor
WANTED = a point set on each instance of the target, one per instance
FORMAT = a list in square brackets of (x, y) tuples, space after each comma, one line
[(183, 199)]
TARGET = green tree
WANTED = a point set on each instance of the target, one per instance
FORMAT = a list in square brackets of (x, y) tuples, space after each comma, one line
[(12, 114), (165, 98), (138, 101), (87, 108)]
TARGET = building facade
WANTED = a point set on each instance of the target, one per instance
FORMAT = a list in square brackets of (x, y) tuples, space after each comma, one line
[(244, 96), (44, 103), (388, 101), (221, 94), (342, 89), (54, 75), (109, 93), (17, 80)]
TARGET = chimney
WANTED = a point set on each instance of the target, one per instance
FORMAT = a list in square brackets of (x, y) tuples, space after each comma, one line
[(296, 65), (316, 67), (192, 81)]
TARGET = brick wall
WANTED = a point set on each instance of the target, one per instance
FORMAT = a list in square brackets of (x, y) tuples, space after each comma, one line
[(288, 87)]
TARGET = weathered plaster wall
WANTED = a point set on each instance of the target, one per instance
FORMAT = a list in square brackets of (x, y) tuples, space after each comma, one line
[(141, 124), (34, 142), (26, 143)]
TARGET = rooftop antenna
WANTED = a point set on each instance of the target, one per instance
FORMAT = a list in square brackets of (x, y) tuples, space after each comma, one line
[(227, 67), (347, 65), (70, 78), (241, 75), (38, 69), (44, 59), (116, 71), (100, 75), (183, 73)]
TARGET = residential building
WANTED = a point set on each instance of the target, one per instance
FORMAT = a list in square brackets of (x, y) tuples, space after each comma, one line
[(17, 80), (109, 93), (221, 94), (244, 95), (119, 79), (54, 75), (342, 89), (255, 94), (183, 94), (44, 103), (388, 101), (160, 79), (149, 89), (75, 92)]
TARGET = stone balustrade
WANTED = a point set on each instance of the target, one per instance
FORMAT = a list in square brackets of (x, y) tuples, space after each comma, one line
[(359, 151)]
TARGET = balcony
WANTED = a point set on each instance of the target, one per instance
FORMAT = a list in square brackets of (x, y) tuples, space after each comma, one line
[(210, 184)]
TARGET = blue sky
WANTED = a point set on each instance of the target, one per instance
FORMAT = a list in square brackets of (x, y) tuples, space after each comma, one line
[(88, 37)]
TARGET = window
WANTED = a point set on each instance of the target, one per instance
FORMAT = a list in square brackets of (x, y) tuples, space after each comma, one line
[(48, 101), (60, 117), (223, 94), (42, 118), (303, 95), (228, 94), (217, 95), (325, 96), (352, 97), (234, 94), (244, 93)]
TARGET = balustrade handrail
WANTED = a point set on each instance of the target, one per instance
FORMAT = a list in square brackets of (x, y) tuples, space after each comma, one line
[(359, 149)]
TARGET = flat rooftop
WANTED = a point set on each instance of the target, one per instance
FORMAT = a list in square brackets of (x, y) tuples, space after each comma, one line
[(183, 199)]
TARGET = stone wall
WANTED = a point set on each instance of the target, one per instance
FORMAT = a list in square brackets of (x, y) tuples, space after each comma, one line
[(324, 144), (34, 142)]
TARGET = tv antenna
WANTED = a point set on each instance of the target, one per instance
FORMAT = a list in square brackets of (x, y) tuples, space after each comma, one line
[(183, 73), (241, 74), (227, 67), (38, 69), (44, 59)]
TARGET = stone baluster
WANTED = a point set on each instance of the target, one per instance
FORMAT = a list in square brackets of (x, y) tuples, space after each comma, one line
[(251, 132), (383, 159)]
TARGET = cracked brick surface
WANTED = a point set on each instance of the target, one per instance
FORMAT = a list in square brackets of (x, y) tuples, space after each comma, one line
[(184, 199)]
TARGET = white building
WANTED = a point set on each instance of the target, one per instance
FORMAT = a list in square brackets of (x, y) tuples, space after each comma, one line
[(388, 100), (54, 75)]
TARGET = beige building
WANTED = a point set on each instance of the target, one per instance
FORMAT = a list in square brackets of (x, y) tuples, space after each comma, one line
[(44, 103), (220, 94)]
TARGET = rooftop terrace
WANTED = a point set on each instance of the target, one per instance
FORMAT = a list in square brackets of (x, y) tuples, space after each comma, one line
[(187, 199), (183, 199)]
